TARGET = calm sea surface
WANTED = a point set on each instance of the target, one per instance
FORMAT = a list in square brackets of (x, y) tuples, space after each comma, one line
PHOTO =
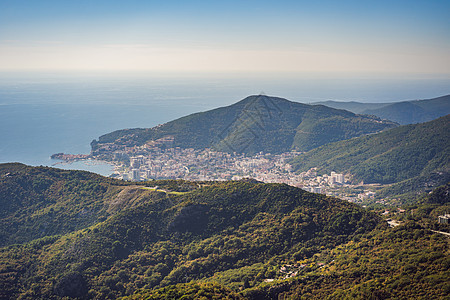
[(42, 114)]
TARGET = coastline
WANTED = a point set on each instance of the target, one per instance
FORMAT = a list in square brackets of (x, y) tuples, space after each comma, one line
[(100, 167)]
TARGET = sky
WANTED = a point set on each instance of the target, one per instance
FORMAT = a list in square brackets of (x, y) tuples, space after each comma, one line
[(370, 37)]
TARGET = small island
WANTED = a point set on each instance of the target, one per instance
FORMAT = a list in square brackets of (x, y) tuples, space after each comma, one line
[(69, 157)]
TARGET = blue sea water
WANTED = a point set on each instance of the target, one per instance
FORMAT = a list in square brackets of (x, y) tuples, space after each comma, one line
[(42, 113)]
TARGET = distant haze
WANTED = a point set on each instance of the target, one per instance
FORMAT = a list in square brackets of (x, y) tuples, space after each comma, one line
[(201, 91), (390, 37)]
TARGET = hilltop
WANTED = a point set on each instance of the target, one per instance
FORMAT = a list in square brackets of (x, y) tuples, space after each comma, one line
[(415, 156), (254, 124), (41, 201), (404, 112)]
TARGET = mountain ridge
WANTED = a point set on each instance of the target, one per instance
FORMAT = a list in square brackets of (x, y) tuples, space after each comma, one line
[(402, 112), (416, 111), (256, 123), (410, 153)]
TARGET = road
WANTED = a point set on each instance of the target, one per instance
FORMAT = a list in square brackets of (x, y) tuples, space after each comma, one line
[(441, 232)]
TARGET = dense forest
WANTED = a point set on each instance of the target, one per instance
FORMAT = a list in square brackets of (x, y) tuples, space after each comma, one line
[(41, 201), (409, 261), (214, 240), (254, 124), (163, 237), (415, 156)]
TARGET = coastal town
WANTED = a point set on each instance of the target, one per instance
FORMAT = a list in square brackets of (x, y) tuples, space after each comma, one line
[(161, 160), (209, 165)]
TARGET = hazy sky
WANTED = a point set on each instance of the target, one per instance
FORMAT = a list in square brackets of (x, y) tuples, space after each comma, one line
[(226, 36)]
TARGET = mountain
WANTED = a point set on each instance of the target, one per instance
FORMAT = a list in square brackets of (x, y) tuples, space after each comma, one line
[(405, 112), (410, 112), (254, 124), (353, 106), (416, 155), (160, 237), (216, 240), (41, 201), (409, 261)]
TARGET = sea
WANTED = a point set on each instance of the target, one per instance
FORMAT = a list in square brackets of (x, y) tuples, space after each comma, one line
[(42, 113)]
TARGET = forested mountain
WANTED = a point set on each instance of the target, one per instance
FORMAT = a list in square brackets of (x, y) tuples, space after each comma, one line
[(411, 112), (254, 124), (406, 262), (405, 112), (37, 202), (41, 201), (156, 238), (417, 155), (219, 240)]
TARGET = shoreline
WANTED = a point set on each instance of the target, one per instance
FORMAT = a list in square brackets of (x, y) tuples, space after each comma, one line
[(101, 167)]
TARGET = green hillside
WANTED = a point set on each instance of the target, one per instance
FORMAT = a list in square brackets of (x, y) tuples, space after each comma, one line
[(41, 201), (406, 262), (416, 156), (404, 112), (189, 291), (160, 238), (411, 112), (409, 261), (219, 240), (257, 123)]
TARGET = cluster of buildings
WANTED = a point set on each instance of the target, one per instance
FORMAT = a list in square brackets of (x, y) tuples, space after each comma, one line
[(159, 159), (322, 184), (366, 195), (208, 165)]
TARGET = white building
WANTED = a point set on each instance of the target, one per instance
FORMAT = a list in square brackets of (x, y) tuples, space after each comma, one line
[(135, 175), (444, 219), (336, 178)]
